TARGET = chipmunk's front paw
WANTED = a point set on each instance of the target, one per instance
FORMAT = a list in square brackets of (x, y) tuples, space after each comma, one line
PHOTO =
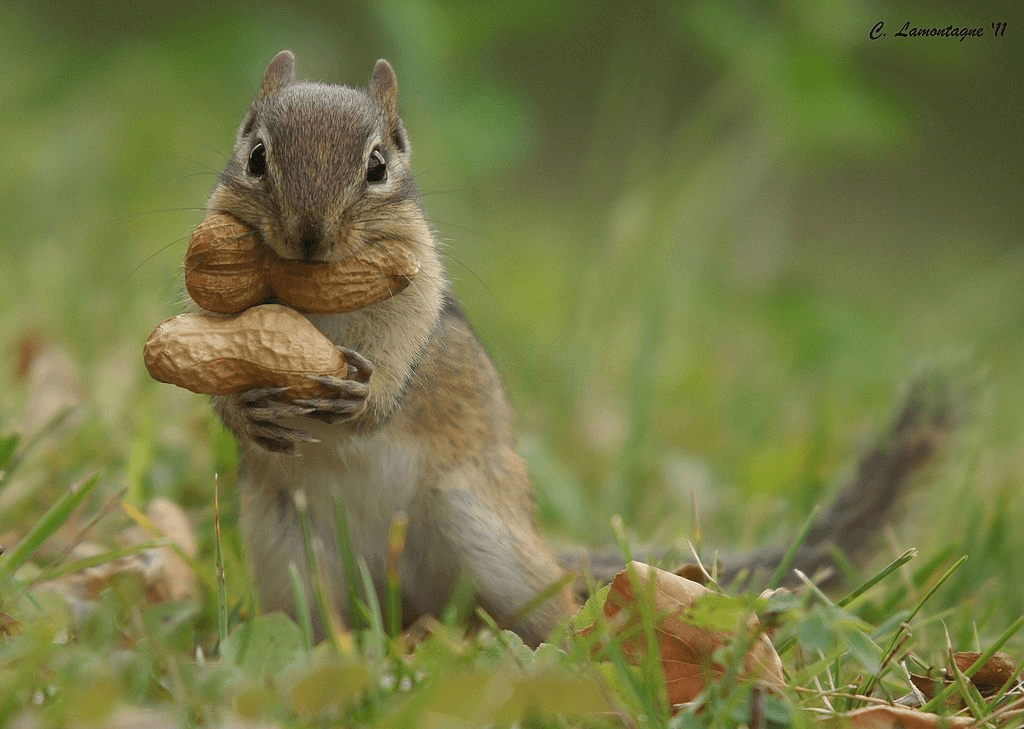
[(346, 398), (261, 414)]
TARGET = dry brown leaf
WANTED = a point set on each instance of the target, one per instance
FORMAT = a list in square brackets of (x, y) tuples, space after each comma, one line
[(991, 677), (926, 684), (164, 575), (896, 717), (51, 380), (687, 650), (693, 573), (169, 578), (86, 585), (9, 625)]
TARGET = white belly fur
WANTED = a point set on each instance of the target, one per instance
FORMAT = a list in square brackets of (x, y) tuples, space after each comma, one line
[(377, 476)]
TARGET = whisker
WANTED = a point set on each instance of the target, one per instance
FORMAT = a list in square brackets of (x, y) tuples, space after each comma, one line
[(150, 257), (225, 156), (479, 280), (197, 163), (448, 191), (132, 216), (203, 173), (418, 173), (463, 228)]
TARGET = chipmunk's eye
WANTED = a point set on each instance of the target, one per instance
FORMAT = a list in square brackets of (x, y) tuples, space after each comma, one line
[(376, 168), (258, 160)]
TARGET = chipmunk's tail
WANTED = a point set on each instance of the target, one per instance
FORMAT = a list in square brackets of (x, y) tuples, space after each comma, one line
[(849, 525)]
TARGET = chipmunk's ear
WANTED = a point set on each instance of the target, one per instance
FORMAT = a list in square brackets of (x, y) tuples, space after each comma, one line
[(280, 72), (384, 88)]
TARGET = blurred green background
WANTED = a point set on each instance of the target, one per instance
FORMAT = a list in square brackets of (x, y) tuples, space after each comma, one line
[(707, 243)]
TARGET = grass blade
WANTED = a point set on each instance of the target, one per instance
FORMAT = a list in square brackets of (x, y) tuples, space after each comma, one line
[(396, 545), (59, 513), (376, 627), (328, 615), (218, 558), (17, 456), (348, 563), (941, 696), (302, 612), (8, 444), (95, 561), (968, 691), (794, 547), (873, 680), (885, 572), (544, 595)]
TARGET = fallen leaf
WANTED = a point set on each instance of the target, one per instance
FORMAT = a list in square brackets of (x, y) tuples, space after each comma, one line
[(896, 717), (9, 625), (927, 684), (170, 577), (164, 575), (688, 637), (421, 628), (51, 380), (991, 677), (693, 573), (53, 394)]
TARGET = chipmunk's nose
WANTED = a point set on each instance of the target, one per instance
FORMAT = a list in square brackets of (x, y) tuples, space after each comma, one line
[(310, 240)]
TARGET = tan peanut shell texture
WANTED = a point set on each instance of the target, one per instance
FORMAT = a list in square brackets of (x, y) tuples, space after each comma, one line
[(265, 346), (228, 269)]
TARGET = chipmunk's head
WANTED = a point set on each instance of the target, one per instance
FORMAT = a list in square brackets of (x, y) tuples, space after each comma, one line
[(322, 170)]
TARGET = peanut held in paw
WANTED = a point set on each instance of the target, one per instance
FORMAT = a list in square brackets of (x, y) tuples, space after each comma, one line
[(228, 269), (265, 346)]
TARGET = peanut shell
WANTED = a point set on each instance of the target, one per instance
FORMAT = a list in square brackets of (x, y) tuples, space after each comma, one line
[(333, 288), (265, 346), (228, 269), (226, 266)]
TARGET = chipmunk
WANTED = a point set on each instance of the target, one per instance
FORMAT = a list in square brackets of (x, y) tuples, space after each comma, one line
[(424, 426)]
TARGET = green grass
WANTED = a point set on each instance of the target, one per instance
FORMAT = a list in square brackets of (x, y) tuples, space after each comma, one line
[(716, 301)]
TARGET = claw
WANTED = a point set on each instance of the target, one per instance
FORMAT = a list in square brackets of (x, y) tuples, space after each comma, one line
[(326, 405), (274, 412), (346, 388), (263, 413), (344, 401), (360, 368), (285, 446), (333, 412), (345, 398), (281, 439), (263, 393), (334, 405), (329, 380)]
